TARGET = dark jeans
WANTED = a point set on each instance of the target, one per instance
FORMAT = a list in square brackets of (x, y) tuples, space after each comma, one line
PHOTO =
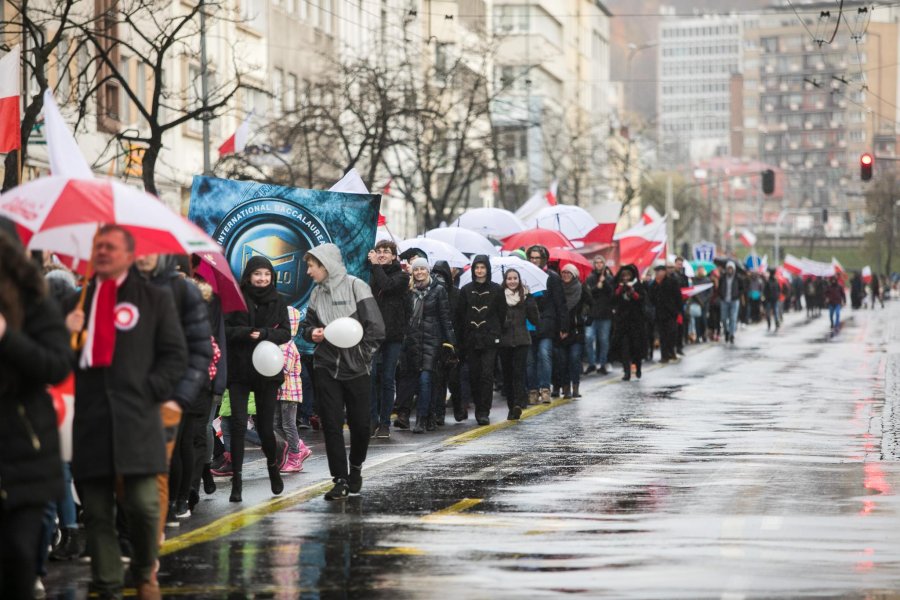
[(540, 364), (668, 333), (416, 384), (265, 393), (181, 470), (307, 407), (570, 363), (20, 536), (446, 378), (140, 505), (513, 361), (481, 376), (334, 396), (384, 382)]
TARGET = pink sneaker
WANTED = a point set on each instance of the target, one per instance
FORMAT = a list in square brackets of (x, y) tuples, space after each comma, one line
[(293, 464), (304, 454)]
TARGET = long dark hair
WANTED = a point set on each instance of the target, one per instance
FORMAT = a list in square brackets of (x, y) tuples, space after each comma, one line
[(520, 289), (20, 281)]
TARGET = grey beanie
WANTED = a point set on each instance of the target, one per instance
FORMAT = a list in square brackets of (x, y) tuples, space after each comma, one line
[(419, 263)]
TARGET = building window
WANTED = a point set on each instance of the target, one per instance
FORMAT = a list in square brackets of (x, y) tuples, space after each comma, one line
[(194, 100), (511, 18), (290, 93), (278, 92)]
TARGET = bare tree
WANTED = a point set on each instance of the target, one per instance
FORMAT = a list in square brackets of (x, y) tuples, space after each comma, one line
[(148, 31), (48, 36)]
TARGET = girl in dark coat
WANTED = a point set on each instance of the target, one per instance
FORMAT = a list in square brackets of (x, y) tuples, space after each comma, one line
[(34, 352), (515, 340), (578, 302), (628, 301), (266, 319), (428, 329)]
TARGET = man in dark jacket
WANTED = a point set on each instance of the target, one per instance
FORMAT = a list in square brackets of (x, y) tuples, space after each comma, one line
[(683, 281), (390, 287), (34, 353), (552, 307), (665, 294), (134, 354), (191, 309), (480, 315), (598, 323), (731, 289)]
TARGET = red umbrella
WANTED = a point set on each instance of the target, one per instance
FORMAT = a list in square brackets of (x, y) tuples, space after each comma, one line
[(214, 269), (567, 257), (544, 237)]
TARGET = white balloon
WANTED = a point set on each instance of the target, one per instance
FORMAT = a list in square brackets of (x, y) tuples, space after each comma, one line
[(268, 359), (345, 332)]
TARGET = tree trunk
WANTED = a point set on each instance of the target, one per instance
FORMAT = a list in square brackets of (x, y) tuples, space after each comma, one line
[(149, 164)]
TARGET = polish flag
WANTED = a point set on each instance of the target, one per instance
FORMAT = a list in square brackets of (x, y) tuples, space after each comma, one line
[(838, 267), (792, 264), (867, 274), (238, 140), (10, 123), (63, 154), (551, 193), (650, 215), (641, 245), (688, 292), (748, 238), (607, 215)]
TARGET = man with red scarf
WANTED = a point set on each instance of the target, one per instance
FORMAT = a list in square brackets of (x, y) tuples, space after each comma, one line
[(133, 355)]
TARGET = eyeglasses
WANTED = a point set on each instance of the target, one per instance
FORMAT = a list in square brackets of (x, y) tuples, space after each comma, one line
[(535, 257)]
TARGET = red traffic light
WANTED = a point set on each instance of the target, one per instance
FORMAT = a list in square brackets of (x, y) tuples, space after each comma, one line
[(866, 161)]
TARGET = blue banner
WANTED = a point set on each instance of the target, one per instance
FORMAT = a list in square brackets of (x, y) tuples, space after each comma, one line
[(704, 251), (281, 223)]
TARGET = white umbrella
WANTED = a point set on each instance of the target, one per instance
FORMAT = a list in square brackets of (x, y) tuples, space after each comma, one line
[(464, 240), (436, 250), (533, 277), (497, 223), (572, 221)]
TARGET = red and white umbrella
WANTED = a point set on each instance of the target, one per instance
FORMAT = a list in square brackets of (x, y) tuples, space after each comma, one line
[(62, 215)]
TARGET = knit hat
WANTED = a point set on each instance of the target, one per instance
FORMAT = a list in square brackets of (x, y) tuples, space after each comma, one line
[(418, 263), (572, 269)]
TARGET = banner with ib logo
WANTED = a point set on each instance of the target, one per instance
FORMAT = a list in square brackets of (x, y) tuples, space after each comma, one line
[(281, 223)]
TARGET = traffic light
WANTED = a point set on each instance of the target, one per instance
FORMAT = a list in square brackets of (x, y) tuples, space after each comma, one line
[(768, 182), (865, 166)]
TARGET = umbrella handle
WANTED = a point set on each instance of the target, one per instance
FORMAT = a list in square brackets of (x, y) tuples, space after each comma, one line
[(78, 338)]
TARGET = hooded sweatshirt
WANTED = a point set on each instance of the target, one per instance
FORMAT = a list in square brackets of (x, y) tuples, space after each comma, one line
[(481, 311), (342, 295)]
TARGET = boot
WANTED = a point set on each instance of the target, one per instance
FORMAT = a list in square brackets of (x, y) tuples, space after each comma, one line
[(627, 375), (236, 487), (68, 547), (275, 479), (209, 484), (545, 396), (575, 392), (567, 391), (556, 391), (533, 397), (402, 420), (429, 423), (637, 371), (420, 424)]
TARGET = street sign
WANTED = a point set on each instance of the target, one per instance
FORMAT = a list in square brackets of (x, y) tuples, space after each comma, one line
[(705, 251)]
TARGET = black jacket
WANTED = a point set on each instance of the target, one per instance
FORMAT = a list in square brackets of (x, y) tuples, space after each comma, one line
[(481, 311), (552, 306), (666, 298), (601, 297), (444, 276), (194, 319), (575, 318), (271, 320), (515, 330), (428, 328), (630, 311), (117, 428), (30, 359), (738, 287), (390, 287)]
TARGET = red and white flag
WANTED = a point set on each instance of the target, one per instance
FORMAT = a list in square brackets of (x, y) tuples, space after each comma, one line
[(650, 215), (63, 153), (748, 238), (551, 193), (238, 140), (792, 264), (641, 245), (838, 267), (867, 274), (688, 292), (10, 121), (607, 215)]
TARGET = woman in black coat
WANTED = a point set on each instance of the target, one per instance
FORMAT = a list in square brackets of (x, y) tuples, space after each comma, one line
[(34, 352), (266, 319), (630, 319), (428, 329), (515, 340), (578, 303)]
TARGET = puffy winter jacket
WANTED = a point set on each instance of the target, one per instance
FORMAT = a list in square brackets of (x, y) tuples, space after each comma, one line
[(602, 296), (515, 330), (428, 328), (390, 287)]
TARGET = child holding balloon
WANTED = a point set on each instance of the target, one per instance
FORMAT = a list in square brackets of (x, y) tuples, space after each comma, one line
[(290, 395), (266, 320)]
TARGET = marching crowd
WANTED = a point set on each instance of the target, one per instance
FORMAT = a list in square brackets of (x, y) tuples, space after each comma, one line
[(167, 397)]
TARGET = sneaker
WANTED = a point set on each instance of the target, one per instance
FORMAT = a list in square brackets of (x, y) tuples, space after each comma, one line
[(293, 464), (590, 369), (340, 491), (281, 451), (383, 432), (181, 510), (533, 397), (304, 454), (39, 592), (171, 521), (603, 371), (483, 420), (514, 413), (303, 423), (545, 396), (354, 481), (224, 469), (402, 421)]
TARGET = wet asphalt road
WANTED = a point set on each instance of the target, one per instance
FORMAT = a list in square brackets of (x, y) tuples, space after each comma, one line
[(766, 470)]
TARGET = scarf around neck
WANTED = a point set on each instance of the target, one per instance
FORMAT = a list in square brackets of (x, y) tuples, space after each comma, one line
[(573, 293), (512, 297)]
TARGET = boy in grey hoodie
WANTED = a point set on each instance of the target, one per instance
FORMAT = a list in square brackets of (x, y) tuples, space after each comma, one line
[(341, 376)]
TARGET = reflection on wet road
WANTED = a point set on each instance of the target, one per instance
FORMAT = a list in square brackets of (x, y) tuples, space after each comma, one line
[(757, 471)]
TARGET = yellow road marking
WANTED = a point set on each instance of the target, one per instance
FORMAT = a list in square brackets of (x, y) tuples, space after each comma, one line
[(395, 551), (464, 504)]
